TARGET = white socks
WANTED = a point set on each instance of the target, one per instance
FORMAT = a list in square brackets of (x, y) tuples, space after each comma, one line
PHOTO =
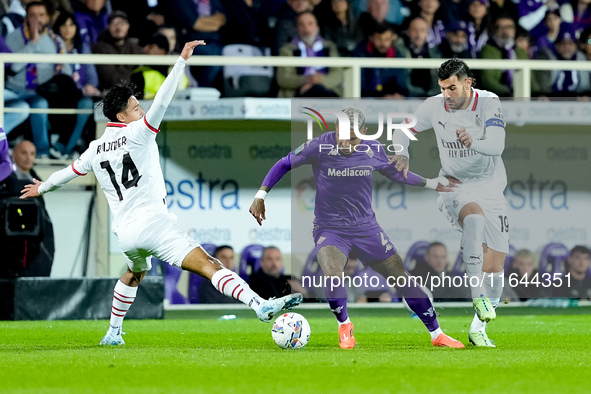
[(435, 333), (493, 282), (230, 284), (123, 297), (473, 254), (344, 322)]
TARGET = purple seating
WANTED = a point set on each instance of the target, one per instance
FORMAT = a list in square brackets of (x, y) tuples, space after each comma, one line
[(171, 277), (196, 280), (312, 270), (250, 260), (554, 258), (416, 255)]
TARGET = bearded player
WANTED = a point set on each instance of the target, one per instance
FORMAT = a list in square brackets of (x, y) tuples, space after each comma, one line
[(470, 131), (345, 223), (126, 164)]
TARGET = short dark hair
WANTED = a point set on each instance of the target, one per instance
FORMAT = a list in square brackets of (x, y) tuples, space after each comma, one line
[(37, 4), (432, 245), (268, 248), (298, 16), (579, 249), (381, 28), (116, 100), (220, 248), (456, 67)]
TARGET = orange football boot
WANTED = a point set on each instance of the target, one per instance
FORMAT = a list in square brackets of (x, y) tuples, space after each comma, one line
[(447, 341), (346, 338)]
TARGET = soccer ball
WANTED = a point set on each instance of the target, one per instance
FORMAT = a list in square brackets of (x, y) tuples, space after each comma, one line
[(291, 331)]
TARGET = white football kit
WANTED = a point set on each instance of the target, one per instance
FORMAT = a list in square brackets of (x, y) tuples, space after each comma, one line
[(126, 163), (480, 168)]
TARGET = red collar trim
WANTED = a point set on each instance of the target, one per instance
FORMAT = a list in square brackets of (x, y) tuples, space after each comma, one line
[(113, 124), (475, 100)]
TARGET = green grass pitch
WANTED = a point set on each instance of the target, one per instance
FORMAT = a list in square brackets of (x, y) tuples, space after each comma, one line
[(535, 353)]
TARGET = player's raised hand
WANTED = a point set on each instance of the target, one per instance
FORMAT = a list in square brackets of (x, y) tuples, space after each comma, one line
[(401, 164), (31, 190), (188, 49), (464, 137), (257, 209)]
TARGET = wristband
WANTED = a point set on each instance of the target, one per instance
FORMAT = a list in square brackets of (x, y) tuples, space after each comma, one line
[(261, 194), (433, 183)]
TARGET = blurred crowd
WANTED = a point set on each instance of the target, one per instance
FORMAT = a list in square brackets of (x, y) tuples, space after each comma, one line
[(488, 29)]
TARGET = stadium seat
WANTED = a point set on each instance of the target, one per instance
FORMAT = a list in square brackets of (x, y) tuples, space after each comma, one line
[(196, 280), (554, 258), (243, 81), (250, 260), (415, 255), (171, 278), (509, 259), (312, 270)]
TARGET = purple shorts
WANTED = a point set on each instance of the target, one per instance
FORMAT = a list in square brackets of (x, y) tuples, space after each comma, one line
[(369, 247)]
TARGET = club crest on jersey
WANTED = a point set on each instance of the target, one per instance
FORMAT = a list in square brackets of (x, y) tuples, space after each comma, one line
[(369, 153), (478, 121), (301, 147)]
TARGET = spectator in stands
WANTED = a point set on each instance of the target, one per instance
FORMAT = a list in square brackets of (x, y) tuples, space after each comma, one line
[(26, 255), (453, 11), (397, 10), (286, 28), (503, 7), (377, 12), (584, 43), (423, 82), (455, 43), (501, 46), (145, 16), (477, 27), (383, 82), (579, 285), (13, 19), (582, 14), (341, 27), (85, 76), (5, 162), (170, 33), (246, 24), (148, 79), (563, 83), (428, 10), (552, 22), (532, 13), (524, 266), (32, 38), (522, 40), (309, 81), (115, 41), (92, 17), (202, 20), (209, 294), (436, 265), (269, 281), (12, 120)]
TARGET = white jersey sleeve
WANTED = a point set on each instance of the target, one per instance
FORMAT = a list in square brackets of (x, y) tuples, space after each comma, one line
[(492, 142)]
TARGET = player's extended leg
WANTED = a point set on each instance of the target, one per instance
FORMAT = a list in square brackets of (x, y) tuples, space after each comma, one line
[(333, 261), (393, 270), (494, 262), (230, 284), (123, 297), (471, 218)]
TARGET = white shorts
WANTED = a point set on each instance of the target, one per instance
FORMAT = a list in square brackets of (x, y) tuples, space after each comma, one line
[(157, 236), (494, 206)]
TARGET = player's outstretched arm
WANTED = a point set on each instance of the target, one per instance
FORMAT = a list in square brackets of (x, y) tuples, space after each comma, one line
[(257, 208), (54, 182), (166, 92)]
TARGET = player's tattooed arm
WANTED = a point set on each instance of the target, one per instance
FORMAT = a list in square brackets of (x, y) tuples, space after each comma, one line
[(401, 164)]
